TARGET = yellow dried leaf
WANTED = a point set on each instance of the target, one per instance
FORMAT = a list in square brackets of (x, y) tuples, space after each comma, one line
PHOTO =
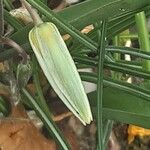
[(134, 131)]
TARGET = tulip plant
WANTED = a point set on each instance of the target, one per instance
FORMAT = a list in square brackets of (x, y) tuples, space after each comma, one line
[(101, 49)]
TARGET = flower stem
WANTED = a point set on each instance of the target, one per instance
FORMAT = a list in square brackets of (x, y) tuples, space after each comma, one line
[(143, 34), (34, 15)]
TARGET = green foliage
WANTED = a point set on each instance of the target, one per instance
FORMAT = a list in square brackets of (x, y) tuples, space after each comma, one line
[(3, 106), (114, 99)]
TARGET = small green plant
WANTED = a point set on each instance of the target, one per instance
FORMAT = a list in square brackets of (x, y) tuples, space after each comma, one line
[(115, 99)]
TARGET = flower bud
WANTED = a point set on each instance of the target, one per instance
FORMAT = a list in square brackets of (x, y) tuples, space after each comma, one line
[(60, 70)]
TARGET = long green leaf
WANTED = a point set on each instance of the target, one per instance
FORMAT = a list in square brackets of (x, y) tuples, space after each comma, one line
[(127, 69), (101, 55), (121, 106), (50, 125), (129, 50), (124, 86), (115, 66), (98, 10)]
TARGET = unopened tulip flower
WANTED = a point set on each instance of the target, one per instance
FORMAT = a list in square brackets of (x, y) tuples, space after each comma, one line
[(59, 68)]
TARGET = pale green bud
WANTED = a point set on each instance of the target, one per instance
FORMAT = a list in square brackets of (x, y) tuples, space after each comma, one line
[(60, 70)]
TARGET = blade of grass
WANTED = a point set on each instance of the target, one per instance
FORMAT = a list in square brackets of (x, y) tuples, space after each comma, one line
[(8, 4), (115, 66), (123, 107), (40, 97), (101, 55), (116, 56), (48, 122), (124, 86), (107, 128), (136, 64), (129, 50), (1, 18), (127, 69)]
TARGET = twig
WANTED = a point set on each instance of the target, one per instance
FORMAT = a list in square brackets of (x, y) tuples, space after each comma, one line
[(62, 116), (17, 47), (34, 15)]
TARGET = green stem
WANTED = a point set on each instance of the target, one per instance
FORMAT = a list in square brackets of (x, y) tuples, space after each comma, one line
[(129, 50), (36, 18), (128, 36), (108, 125), (1, 19), (116, 57), (101, 54), (143, 34), (48, 122), (121, 67), (116, 42)]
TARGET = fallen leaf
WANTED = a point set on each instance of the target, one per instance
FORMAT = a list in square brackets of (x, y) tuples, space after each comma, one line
[(134, 131), (18, 133)]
